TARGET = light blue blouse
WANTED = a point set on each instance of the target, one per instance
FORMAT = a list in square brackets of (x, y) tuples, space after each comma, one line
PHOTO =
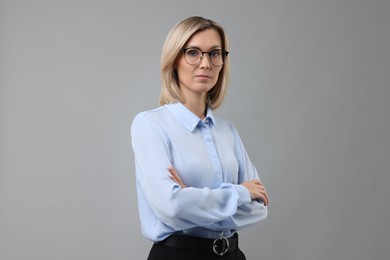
[(210, 159)]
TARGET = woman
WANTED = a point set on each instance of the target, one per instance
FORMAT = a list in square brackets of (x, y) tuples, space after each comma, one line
[(196, 185)]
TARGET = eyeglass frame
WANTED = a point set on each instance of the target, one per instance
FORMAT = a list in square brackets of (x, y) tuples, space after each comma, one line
[(208, 54)]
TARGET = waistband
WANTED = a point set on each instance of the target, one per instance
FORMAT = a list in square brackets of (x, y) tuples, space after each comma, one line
[(219, 246)]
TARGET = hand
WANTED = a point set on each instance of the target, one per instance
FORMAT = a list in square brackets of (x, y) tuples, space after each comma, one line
[(257, 190), (175, 177)]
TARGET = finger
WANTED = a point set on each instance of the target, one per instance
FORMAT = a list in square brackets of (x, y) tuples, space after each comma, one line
[(263, 199), (173, 172), (259, 196), (264, 192), (175, 176), (261, 185), (172, 177), (266, 199)]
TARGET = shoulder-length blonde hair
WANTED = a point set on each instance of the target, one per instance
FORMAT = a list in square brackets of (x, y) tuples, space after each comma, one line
[(174, 42)]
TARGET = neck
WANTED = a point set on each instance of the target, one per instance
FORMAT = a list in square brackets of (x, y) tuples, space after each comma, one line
[(198, 107)]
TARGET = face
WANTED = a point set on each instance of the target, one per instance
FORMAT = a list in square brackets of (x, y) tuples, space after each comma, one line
[(196, 80)]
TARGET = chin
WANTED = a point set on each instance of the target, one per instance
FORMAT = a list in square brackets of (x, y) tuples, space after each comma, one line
[(204, 86)]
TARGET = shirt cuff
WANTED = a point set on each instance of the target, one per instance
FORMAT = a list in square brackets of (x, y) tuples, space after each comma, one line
[(244, 197)]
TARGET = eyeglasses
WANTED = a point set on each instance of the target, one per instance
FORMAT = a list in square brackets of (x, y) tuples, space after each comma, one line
[(194, 56)]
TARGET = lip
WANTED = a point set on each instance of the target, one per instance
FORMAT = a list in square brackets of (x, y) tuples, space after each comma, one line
[(203, 76)]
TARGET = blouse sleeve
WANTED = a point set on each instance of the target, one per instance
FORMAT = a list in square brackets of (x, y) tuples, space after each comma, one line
[(176, 207)]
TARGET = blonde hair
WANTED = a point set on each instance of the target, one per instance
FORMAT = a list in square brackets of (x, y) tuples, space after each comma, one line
[(174, 42)]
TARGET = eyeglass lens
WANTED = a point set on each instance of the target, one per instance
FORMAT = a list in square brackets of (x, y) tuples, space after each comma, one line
[(193, 56)]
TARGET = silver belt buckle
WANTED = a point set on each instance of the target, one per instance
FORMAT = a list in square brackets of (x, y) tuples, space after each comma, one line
[(222, 243)]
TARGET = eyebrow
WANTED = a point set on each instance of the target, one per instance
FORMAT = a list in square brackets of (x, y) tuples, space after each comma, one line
[(211, 48)]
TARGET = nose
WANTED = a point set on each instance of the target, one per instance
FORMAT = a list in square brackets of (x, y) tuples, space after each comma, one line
[(205, 61)]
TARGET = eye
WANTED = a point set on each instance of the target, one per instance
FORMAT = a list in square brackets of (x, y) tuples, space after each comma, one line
[(193, 52), (215, 53)]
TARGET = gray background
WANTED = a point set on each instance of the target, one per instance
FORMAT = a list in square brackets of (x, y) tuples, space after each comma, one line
[(309, 94)]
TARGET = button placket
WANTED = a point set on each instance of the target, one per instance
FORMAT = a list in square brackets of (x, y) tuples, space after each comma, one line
[(211, 149)]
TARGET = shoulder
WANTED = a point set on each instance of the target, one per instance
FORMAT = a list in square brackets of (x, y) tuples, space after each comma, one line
[(148, 113), (155, 114), (147, 127), (150, 118)]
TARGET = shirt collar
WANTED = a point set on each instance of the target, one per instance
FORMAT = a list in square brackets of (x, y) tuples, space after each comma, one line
[(188, 119)]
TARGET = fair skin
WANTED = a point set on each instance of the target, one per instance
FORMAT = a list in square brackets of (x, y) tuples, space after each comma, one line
[(194, 83), (196, 80)]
